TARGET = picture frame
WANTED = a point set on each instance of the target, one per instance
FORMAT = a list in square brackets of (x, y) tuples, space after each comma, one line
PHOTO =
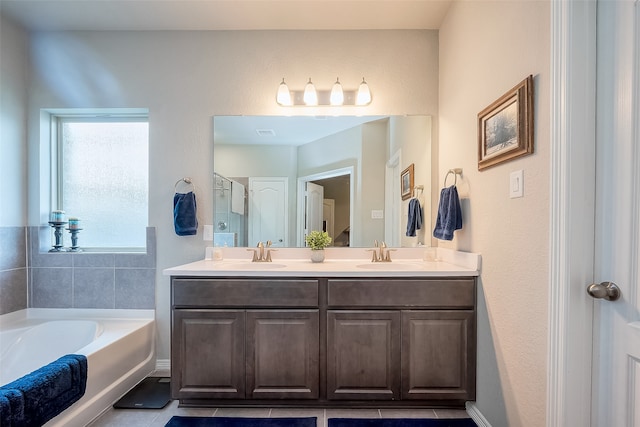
[(505, 128), (406, 182)]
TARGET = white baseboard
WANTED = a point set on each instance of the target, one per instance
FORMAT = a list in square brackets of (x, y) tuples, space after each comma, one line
[(163, 366), (476, 415)]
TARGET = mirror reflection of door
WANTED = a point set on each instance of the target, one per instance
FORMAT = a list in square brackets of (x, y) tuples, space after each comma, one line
[(268, 213), (334, 207), (314, 201), (328, 217)]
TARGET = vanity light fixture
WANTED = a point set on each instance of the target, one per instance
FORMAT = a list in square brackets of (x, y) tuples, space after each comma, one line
[(364, 94), (335, 97), (284, 96), (310, 94)]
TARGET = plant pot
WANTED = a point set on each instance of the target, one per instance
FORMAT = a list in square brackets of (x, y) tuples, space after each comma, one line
[(317, 255)]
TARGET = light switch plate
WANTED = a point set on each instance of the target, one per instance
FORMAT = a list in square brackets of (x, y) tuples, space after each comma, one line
[(516, 184), (377, 214), (207, 232)]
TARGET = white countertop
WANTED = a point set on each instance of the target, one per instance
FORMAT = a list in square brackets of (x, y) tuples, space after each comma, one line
[(343, 262)]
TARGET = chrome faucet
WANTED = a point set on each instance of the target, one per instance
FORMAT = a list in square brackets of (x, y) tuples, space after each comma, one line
[(259, 254)]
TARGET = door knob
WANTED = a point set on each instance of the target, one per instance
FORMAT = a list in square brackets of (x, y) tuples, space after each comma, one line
[(607, 290)]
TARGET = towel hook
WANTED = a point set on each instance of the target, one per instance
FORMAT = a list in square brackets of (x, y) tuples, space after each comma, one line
[(455, 172), (187, 181)]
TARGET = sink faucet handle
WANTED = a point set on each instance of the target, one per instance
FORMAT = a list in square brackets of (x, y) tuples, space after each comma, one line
[(267, 257), (374, 256), (255, 254), (388, 255)]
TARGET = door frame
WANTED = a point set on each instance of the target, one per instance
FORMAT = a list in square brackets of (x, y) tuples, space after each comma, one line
[(572, 193), (392, 227)]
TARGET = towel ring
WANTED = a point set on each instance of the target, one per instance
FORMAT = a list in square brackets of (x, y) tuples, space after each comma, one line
[(455, 172), (187, 181)]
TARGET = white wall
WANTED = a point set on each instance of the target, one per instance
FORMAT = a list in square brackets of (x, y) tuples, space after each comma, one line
[(185, 78), (486, 48), (13, 123)]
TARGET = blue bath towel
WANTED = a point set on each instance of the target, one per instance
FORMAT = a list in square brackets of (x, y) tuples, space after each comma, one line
[(11, 407), (41, 395), (449, 214), (184, 214), (414, 220)]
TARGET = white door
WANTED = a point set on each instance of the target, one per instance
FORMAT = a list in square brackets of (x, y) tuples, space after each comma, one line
[(268, 213), (616, 379), (328, 216), (314, 200)]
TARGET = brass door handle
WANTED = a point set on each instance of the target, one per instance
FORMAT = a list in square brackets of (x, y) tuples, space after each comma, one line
[(605, 290)]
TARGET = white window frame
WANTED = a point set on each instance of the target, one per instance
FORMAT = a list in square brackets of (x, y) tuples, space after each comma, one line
[(56, 179)]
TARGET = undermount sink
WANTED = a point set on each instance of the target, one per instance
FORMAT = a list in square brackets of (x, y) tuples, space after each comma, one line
[(389, 266), (252, 266)]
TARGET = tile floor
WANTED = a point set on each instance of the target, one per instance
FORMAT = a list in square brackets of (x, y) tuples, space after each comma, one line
[(158, 418)]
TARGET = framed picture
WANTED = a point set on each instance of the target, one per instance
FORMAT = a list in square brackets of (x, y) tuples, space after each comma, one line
[(406, 183), (505, 128)]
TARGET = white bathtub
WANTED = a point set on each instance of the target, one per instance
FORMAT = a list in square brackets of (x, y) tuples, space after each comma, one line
[(119, 345)]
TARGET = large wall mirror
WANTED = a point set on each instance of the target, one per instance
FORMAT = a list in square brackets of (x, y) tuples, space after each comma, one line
[(277, 178)]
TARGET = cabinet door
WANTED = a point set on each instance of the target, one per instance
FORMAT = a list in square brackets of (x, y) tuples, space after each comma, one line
[(438, 354), (207, 354), (282, 354), (363, 355)]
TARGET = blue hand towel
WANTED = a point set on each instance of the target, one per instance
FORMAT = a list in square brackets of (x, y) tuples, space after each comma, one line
[(184, 214), (414, 220), (449, 214)]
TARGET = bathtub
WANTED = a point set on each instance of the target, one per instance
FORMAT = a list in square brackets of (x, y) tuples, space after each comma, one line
[(119, 345)]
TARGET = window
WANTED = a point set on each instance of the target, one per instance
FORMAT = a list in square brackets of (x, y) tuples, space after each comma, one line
[(101, 177)]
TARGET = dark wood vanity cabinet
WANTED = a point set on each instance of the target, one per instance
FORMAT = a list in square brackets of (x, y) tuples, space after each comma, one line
[(401, 339), (324, 341), (244, 339)]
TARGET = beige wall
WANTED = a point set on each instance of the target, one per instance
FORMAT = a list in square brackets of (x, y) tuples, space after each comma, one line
[(185, 78), (486, 48), (13, 123)]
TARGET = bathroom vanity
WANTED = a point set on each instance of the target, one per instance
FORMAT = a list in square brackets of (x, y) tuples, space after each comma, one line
[(342, 333)]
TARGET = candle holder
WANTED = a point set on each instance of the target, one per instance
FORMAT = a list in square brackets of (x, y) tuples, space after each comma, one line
[(57, 227), (74, 239)]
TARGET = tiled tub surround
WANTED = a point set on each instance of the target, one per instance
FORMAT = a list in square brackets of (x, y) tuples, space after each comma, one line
[(90, 280), (13, 269)]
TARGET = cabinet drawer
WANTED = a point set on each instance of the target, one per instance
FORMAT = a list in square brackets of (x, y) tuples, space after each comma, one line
[(400, 293), (194, 292)]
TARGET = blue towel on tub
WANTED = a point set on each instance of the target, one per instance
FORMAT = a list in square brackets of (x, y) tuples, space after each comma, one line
[(41, 395), (11, 407), (449, 214), (185, 221)]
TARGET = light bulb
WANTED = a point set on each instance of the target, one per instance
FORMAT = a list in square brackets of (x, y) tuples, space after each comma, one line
[(364, 94), (284, 96), (310, 96), (337, 96)]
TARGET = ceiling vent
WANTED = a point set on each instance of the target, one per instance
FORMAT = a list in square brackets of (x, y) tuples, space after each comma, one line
[(265, 132)]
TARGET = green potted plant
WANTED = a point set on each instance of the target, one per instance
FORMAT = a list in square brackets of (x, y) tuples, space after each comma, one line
[(317, 241)]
